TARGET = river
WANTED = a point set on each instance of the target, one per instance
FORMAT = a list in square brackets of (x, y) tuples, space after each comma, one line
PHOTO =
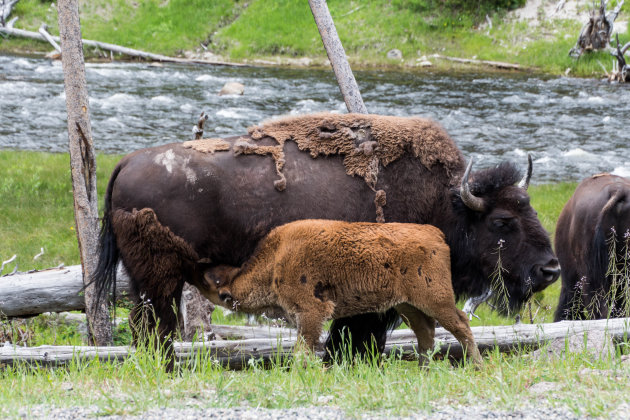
[(573, 127)]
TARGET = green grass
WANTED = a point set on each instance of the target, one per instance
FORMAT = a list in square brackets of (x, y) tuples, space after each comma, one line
[(389, 387), (241, 30), (37, 207)]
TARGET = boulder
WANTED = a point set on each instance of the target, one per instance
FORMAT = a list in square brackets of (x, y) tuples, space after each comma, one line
[(232, 88), (394, 54)]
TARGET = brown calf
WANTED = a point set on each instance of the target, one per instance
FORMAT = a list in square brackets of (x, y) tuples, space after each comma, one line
[(315, 270)]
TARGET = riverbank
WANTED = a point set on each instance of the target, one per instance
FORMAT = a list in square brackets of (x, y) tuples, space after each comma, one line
[(283, 33)]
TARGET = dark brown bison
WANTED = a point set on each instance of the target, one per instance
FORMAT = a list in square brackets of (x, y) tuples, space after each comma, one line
[(316, 270), (592, 238), (173, 211)]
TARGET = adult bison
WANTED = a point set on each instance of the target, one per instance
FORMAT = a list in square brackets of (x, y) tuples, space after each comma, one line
[(173, 211), (594, 220)]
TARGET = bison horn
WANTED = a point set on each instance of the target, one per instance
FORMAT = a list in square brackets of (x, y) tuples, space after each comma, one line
[(472, 202), (525, 181)]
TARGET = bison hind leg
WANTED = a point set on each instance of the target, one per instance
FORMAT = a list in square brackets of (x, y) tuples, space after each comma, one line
[(456, 322)]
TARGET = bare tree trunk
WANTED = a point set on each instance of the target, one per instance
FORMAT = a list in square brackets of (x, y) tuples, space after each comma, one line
[(337, 56), (83, 165)]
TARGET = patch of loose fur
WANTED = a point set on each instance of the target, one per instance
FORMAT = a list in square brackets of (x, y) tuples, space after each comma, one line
[(365, 141), (207, 145)]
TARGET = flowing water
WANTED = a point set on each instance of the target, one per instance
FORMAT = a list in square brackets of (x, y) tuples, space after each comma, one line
[(572, 127)]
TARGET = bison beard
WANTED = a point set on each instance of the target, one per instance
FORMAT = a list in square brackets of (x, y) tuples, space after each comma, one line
[(220, 205)]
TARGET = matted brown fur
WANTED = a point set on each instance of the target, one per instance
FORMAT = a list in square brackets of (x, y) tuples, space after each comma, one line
[(315, 270), (151, 252), (207, 145), (364, 139), (276, 152)]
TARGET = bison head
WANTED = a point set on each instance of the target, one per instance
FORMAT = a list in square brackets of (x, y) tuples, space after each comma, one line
[(497, 241)]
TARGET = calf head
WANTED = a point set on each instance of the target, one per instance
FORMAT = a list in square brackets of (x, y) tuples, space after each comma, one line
[(217, 281), (497, 241)]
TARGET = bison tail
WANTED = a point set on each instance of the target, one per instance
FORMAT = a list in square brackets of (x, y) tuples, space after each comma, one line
[(104, 276)]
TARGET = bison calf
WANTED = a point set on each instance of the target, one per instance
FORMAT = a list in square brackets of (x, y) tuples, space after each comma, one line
[(315, 270)]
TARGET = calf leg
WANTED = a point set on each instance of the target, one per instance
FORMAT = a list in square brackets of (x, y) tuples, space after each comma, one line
[(423, 327), (456, 322)]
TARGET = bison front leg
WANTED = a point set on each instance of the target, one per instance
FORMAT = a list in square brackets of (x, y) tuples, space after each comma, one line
[(157, 262), (154, 320)]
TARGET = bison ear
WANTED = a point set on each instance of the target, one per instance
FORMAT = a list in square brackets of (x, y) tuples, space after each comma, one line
[(525, 181), (470, 200)]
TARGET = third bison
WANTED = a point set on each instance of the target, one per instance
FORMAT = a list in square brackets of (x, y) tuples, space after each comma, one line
[(592, 237)]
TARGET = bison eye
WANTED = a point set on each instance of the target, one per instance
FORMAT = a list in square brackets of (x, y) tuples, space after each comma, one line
[(503, 223)]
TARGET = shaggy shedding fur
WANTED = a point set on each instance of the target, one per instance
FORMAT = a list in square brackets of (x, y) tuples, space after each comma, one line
[(156, 258), (207, 145), (365, 141), (315, 270)]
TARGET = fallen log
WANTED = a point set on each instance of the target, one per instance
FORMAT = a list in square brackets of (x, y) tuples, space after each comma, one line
[(52, 290), (118, 49), (497, 64), (236, 354)]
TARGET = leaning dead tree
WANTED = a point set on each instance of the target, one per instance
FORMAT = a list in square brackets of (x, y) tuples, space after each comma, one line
[(596, 33), (83, 166), (337, 56)]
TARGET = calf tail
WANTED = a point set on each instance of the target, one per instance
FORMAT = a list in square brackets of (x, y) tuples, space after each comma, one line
[(104, 276)]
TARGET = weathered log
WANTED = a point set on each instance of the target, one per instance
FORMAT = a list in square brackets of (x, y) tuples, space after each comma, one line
[(337, 56), (44, 31), (235, 354), (119, 49), (497, 64), (52, 290), (595, 34)]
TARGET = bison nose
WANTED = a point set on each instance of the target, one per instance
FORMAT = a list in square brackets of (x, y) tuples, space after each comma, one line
[(549, 272)]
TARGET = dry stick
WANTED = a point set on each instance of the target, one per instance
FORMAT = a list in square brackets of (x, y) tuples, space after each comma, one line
[(198, 129), (118, 49), (83, 165), (337, 56), (44, 31)]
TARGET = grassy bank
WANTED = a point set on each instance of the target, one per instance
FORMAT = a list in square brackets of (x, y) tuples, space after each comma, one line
[(284, 29)]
